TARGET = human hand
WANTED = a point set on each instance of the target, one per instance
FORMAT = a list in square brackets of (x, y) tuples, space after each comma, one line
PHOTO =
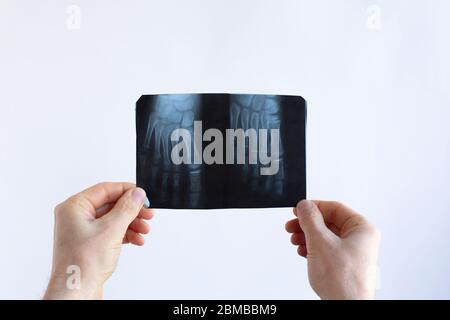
[(90, 228), (341, 248)]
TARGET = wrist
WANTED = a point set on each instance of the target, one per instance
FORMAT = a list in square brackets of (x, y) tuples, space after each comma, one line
[(68, 283), (365, 280), (348, 292), (351, 284), (355, 288)]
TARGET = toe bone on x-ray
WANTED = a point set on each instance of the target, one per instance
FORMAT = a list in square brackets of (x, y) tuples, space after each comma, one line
[(206, 151)]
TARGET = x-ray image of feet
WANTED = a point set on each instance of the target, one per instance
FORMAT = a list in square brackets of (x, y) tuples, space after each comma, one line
[(206, 151)]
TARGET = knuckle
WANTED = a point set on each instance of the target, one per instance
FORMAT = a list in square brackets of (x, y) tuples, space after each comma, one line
[(69, 204), (101, 184), (63, 206), (336, 203), (374, 232), (359, 219), (74, 202), (58, 209), (341, 207), (356, 220)]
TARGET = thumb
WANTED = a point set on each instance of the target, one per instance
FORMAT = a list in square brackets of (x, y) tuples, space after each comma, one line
[(311, 220), (126, 208)]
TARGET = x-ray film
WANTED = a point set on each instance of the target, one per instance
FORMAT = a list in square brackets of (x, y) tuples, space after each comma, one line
[(207, 151)]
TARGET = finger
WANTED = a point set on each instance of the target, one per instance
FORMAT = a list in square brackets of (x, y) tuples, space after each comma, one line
[(302, 251), (139, 226), (338, 214), (298, 239), (310, 218), (293, 226), (103, 193), (294, 210), (126, 209), (133, 238), (146, 214)]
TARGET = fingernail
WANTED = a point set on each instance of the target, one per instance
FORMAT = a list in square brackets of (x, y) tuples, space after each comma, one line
[(138, 195), (305, 205), (146, 203)]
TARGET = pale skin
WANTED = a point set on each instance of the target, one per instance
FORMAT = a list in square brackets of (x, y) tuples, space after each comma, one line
[(341, 246), (90, 228)]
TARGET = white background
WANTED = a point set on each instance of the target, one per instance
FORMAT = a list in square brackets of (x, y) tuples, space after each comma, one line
[(378, 97)]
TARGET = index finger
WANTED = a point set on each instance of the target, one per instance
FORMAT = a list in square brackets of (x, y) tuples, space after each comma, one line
[(105, 192), (336, 213)]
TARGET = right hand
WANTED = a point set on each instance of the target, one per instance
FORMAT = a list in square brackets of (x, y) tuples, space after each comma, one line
[(341, 248), (90, 228)]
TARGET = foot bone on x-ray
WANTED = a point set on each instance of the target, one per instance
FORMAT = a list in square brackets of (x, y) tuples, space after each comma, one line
[(221, 150)]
